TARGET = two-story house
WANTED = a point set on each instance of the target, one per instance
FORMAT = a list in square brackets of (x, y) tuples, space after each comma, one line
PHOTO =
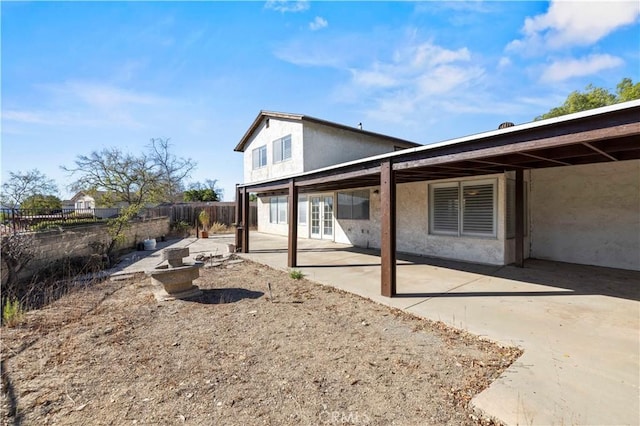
[(579, 177), (280, 144)]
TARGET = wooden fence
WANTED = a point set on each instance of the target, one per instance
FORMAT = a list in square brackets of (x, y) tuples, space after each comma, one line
[(17, 220), (220, 212)]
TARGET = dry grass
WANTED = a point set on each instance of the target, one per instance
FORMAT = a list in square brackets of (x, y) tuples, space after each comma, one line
[(240, 354)]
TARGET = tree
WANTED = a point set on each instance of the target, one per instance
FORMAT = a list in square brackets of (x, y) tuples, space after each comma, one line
[(171, 170), (122, 176), (206, 191), (130, 179), (595, 97), (42, 203), (21, 186), (627, 91)]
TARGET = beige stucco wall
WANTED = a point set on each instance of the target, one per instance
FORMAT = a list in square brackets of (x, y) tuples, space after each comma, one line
[(265, 136), (412, 227), (326, 146), (587, 214)]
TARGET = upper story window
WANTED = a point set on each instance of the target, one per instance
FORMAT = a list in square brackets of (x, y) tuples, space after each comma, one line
[(282, 149), (259, 157), (353, 205), (463, 208)]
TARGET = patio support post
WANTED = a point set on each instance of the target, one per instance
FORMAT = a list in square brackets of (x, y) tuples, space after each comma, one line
[(238, 218), (245, 220), (388, 230), (520, 218), (293, 225)]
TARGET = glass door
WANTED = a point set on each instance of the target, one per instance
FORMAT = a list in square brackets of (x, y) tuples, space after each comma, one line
[(321, 217), (327, 218), (315, 217)]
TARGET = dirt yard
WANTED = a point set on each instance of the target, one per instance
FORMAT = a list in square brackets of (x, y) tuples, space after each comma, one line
[(240, 355)]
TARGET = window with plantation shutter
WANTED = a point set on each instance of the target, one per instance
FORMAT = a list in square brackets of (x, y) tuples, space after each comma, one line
[(445, 208), (282, 149), (463, 208), (478, 208)]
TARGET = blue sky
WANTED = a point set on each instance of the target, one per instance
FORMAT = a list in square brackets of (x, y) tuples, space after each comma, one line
[(78, 77)]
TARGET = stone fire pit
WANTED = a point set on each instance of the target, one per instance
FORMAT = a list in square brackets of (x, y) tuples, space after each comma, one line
[(175, 280)]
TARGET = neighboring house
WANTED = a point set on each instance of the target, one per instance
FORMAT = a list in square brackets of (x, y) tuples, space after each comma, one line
[(85, 203), (579, 203)]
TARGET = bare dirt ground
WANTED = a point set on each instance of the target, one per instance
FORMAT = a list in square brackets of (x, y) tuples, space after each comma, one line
[(304, 354)]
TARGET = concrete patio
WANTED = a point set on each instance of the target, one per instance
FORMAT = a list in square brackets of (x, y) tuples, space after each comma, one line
[(578, 325)]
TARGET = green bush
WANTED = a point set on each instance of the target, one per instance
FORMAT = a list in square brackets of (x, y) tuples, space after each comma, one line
[(296, 274), (12, 313)]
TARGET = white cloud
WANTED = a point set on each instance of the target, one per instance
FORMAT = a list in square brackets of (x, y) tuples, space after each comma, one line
[(563, 70), (417, 79), (318, 23), (287, 6), (82, 103), (568, 23), (504, 62), (99, 95)]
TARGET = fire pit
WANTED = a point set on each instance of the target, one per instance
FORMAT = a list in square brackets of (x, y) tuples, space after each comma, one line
[(175, 280)]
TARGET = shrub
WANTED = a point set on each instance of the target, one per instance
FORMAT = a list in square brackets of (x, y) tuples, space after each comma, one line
[(12, 312), (180, 228), (218, 228), (296, 274)]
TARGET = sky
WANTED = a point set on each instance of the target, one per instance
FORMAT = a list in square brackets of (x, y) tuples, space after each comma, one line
[(78, 77)]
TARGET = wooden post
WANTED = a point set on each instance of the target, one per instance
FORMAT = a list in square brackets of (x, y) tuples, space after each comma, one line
[(520, 218), (388, 230), (245, 220), (293, 225), (238, 219)]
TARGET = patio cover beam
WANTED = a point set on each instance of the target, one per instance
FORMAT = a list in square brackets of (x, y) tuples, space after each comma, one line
[(238, 218), (292, 260), (519, 218), (388, 230), (245, 220)]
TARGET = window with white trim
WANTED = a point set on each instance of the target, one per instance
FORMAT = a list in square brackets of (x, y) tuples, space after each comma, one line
[(278, 209), (465, 208), (353, 205), (259, 157), (302, 210), (282, 149)]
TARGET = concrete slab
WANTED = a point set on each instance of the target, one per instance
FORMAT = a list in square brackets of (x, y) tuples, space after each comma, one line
[(578, 325), (144, 261)]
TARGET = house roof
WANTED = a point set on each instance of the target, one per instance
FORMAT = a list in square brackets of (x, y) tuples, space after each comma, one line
[(299, 117), (81, 193), (600, 135)]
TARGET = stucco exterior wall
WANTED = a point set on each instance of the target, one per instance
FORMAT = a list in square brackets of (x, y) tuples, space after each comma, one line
[(361, 233), (412, 227), (587, 214), (326, 146), (265, 136)]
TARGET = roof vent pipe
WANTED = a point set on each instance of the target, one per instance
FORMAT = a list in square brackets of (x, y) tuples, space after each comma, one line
[(505, 125)]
